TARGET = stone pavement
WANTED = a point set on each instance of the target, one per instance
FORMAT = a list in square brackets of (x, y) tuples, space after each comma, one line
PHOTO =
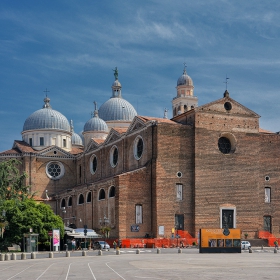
[(147, 264)]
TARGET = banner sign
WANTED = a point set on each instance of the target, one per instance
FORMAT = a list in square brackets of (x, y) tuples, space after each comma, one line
[(56, 237), (135, 228)]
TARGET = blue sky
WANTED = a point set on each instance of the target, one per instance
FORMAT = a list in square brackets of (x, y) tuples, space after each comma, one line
[(70, 48)]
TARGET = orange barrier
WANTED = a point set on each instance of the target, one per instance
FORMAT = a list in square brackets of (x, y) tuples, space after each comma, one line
[(270, 237)]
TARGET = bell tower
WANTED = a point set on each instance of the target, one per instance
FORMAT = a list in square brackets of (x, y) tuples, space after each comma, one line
[(184, 101)]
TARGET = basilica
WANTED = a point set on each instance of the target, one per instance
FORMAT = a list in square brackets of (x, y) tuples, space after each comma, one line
[(209, 166)]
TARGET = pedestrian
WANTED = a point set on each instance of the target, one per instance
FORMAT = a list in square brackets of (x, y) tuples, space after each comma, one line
[(73, 242), (115, 245), (276, 244)]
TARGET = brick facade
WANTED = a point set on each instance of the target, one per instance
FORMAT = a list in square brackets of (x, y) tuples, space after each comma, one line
[(182, 152)]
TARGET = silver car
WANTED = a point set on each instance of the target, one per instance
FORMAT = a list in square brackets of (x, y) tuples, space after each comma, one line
[(101, 245), (245, 245)]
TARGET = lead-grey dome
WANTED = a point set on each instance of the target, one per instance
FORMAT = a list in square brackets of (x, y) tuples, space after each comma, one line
[(76, 139), (96, 124), (117, 108), (185, 80), (46, 118)]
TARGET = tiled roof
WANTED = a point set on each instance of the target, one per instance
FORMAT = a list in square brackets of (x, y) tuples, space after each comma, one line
[(24, 147), (121, 130), (98, 140), (265, 131), (76, 151), (159, 120)]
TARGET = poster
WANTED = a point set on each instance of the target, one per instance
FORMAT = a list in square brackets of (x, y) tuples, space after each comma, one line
[(56, 238)]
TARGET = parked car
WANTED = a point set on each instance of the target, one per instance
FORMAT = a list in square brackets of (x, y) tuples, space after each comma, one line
[(101, 245), (245, 245)]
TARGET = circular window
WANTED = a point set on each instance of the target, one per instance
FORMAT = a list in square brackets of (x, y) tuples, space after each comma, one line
[(93, 164), (114, 154), (55, 170), (179, 174), (267, 178), (224, 145), (228, 106), (138, 147)]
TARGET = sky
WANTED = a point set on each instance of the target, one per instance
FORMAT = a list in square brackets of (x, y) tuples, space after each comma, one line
[(71, 47)]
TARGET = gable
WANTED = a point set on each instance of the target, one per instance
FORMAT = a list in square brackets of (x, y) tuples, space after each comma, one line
[(136, 124), (227, 106), (54, 152), (93, 144), (112, 136)]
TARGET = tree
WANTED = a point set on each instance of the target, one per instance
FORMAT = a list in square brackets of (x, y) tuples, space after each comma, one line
[(12, 182), (26, 214)]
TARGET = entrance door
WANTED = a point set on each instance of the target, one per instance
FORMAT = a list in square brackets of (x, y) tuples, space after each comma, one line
[(267, 223), (227, 218), (179, 221)]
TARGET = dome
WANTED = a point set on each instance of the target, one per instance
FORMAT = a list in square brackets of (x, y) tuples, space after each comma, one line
[(46, 118), (117, 108), (96, 124), (185, 80), (76, 139)]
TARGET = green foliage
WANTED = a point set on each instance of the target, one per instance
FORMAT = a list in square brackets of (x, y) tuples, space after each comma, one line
[(26, 214), (12, 182)]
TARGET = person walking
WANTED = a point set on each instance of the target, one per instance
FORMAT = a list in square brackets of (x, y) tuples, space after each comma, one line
[(73, 242), (276, 244)]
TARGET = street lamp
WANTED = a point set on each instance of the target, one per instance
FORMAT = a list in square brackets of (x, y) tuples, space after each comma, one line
[(104, 229)]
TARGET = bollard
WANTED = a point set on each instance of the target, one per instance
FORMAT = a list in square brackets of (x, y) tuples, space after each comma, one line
[(7, 257), (67, 254), (99, 253), (137, 251), (84, 253), (158, 251), (117, 252), (50, 255), (14, 256), (2, 257), (275, 250), (33, 255), (262, 247), (179, 251), (23, 256), (250, 250)]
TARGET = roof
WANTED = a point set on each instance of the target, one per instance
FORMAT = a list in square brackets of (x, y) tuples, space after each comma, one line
[(265, 131), (46, 118), (76, 151), (159, 120)]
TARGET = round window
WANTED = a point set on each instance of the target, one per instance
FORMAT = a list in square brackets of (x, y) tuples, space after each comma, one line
[(93, 164), (227, 106), (224, 145), (55, 170), (138, 147), (114, 155)]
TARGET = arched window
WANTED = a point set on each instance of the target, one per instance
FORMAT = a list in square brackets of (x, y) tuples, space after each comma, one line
[(70, 201), (112, 192), (63, 203), (138, 147), (93, 164), (81, 199), (89, 197), (101, 194), (114, 156)]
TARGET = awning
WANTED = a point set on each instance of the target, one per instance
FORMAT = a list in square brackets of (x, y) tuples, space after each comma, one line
[(79, 233)]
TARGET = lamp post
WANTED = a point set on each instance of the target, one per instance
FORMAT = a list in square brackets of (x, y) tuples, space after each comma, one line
[(103, 222)]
